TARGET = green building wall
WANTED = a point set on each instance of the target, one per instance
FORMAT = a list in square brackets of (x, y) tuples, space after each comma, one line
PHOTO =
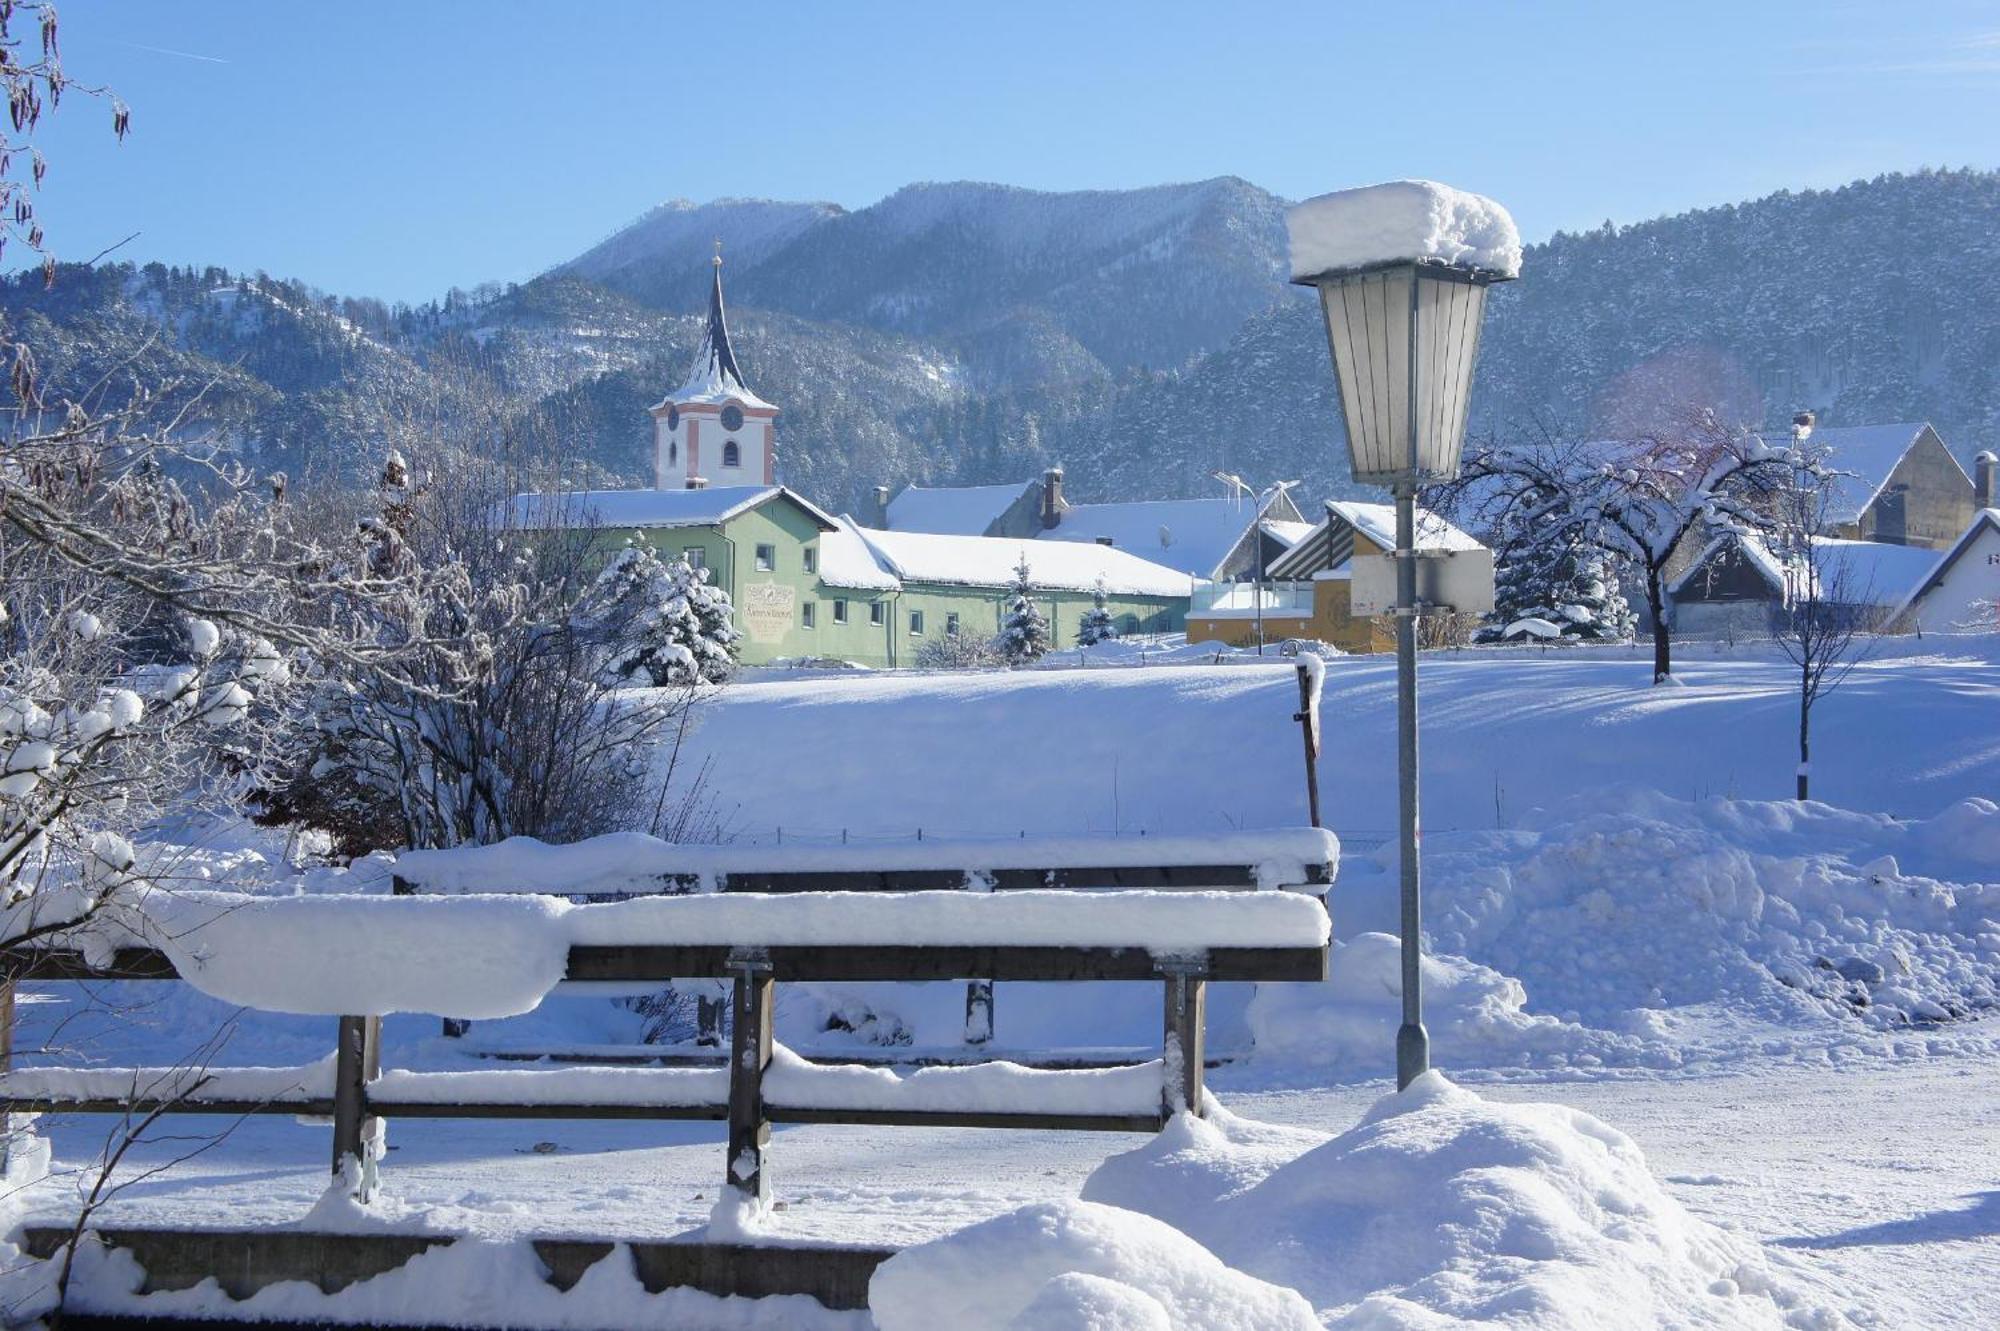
[(770, 603)]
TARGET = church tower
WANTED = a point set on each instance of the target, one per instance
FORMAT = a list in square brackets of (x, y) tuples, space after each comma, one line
[(713, 430)]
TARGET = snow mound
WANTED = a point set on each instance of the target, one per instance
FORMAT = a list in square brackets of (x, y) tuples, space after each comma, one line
[(1443, 1207), (1403, 220), (1474, 1013), (988, 1276), (1631, 927), (1078, 1302)]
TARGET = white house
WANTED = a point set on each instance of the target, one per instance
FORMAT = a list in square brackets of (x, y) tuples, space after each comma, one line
[(1963, 589)]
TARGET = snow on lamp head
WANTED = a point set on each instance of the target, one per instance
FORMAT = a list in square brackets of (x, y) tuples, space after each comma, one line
[(1402, 271)]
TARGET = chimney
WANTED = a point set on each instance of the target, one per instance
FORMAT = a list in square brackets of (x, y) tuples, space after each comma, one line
[(1052, 500), (881, 514), (1984, 469)]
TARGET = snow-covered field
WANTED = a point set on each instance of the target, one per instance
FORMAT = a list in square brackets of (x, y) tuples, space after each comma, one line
[(1790, 1009)]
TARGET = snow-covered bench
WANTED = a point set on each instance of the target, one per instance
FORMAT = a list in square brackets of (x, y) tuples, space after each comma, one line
[(624, 865), (362, 956)]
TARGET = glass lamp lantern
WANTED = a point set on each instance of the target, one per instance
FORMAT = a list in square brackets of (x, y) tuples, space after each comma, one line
[(1404, 338)]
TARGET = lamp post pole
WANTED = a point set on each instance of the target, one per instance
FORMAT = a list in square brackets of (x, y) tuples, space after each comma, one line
[(1413, 1042), (1403, 302)]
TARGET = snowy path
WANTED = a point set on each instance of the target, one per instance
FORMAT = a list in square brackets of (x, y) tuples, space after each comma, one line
[(1879, 1181)]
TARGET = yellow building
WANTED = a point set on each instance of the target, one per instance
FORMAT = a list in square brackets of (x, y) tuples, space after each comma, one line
[(1305, 593)]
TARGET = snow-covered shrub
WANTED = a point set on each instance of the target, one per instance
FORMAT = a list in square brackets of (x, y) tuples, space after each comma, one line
[(958, 651), (494, 714)]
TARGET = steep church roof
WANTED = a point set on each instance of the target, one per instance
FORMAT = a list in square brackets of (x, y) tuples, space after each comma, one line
[(715, 377)]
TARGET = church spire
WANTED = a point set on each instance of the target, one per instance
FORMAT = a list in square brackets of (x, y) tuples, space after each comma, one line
[(714, 372)]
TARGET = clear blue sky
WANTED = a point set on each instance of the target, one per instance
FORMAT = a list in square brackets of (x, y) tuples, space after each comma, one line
[(399, 149)]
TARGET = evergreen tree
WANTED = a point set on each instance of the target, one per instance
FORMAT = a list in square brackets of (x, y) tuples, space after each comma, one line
[(667, 623), (1569, 584), (1096, 625), (1024, 634)]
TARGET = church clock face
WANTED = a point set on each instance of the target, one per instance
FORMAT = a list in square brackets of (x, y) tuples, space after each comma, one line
[(673, 418), (732, 417)]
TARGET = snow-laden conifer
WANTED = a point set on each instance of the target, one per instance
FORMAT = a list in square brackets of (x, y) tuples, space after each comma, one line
[(664, 623), (1024, 633), (1096, 625)]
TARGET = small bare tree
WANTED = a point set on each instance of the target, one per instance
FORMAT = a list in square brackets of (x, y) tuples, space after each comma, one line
[(1827, 619)]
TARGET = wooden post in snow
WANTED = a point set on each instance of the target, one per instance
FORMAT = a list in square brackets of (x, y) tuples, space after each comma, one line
[(357, 1061), (749, 1057)]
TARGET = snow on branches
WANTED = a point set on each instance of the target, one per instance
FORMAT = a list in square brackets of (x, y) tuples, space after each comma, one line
[(1096, 625), (1636, 501), (1024, 632), (661, 623)]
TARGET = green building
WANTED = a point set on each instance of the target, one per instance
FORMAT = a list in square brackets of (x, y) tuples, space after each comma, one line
[(808, 584)]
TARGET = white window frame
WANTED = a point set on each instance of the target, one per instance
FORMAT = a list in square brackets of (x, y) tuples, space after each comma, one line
[(839, 610), (916, 623), (696, 556), (810, 558), (808, 614), (766, 558)]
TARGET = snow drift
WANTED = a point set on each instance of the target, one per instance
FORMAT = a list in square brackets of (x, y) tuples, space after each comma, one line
[(1011, 1271), (1614, 926), (1442, 1207)]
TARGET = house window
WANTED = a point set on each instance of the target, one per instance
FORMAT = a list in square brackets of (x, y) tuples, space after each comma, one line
[(767, 558), (916, 623), (806, 615), (732, 456), (951, 624), (695, 555), (877, 611), (811, 558), (840, 612)]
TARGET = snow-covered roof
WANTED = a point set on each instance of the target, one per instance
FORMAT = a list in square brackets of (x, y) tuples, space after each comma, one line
[(1850, 572), (1192, 535), (1754, 553), (649, 508), (1291, 533), (988, 561), (1986, 519), (953, 510), (1378, 523), (846, 561), (1398, 222), (1871, 572), (1864, 456), (1319, 550)]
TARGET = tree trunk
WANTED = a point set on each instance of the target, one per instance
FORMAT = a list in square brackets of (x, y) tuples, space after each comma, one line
[(1662, 640), (1805, 732)]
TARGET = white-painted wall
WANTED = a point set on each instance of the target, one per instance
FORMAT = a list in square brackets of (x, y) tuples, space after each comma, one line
[(1975, 576), (670, 451)]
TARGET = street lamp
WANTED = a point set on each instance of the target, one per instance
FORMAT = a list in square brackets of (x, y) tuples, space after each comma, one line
[(1402, 271)]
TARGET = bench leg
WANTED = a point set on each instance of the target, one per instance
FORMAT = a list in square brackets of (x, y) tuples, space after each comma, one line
[(749, 1056), (357, 1135), (1186, 1041), (978, 1011)]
